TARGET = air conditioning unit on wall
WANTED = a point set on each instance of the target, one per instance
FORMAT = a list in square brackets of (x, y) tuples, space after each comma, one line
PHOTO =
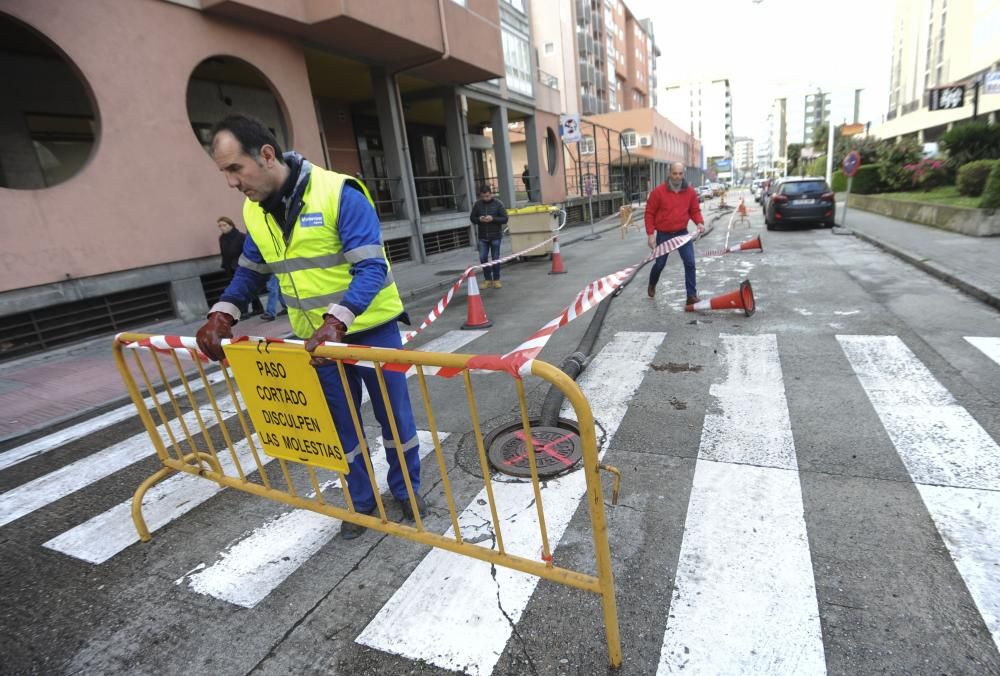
[(645, 141)]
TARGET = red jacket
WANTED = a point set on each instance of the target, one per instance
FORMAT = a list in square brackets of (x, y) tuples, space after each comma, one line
[(669, 211)]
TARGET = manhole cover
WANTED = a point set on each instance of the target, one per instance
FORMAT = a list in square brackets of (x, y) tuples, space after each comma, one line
[(557, 450)]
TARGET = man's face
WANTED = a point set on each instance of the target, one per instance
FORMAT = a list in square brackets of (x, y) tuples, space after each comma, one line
[(676, 174), (251, 176), (486, 196)]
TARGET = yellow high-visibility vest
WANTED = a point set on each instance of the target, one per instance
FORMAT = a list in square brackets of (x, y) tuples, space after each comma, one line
[(312, 269)]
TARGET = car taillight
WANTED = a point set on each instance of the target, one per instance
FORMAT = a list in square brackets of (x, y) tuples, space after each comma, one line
[(779, 198), (827, 196)]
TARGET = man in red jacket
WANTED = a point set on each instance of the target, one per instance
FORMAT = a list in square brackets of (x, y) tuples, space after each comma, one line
[(669, 208)]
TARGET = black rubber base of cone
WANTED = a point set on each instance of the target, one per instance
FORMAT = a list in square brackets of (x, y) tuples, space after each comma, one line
[(470, 327), (561, 272)]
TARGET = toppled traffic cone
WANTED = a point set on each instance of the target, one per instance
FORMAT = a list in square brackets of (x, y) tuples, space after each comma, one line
[(476, 317), (748, 245), (557, 262), (741, 299)]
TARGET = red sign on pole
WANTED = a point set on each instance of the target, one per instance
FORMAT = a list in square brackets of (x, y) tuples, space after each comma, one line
[(852, 162)]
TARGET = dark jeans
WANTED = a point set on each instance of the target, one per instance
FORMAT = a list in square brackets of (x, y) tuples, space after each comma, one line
[(490, 248), (687, 256)]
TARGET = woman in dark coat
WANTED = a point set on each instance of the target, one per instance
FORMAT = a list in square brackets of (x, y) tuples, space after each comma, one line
[(231, 247)]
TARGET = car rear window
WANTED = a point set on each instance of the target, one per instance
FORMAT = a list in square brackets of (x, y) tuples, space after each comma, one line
[(803, 187)]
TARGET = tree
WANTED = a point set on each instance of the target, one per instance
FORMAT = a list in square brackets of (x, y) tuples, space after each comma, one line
[(794, 152), (819, 137)]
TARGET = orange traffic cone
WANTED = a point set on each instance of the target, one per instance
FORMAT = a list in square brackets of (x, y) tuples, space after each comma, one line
[(741, 299), (476, 317), (557, 262), (748, 245), (742, 209)]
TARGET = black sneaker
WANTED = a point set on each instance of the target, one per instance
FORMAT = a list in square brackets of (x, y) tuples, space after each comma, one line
[(408, 510), (349, 531), (267, 317)]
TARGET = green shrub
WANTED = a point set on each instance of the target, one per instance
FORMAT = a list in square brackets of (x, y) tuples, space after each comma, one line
[(972, 177), (817, 167), (867, 181), (893, 159), (970, 141), (991, 193), (839, 181)]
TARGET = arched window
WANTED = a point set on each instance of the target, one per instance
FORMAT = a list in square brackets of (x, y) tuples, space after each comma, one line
[(49, 123), (221, 85)]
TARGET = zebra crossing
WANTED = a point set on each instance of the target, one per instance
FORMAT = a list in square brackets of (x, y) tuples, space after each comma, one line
[(744, 598)]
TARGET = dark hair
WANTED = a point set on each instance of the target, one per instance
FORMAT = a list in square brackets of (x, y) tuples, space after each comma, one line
[(250, 132), (225, 219), (484, 188)]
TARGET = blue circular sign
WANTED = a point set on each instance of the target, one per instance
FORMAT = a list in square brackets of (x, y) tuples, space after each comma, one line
[(852, 162)]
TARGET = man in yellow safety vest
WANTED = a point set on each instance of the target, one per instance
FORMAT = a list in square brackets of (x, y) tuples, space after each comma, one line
[(318, 233)]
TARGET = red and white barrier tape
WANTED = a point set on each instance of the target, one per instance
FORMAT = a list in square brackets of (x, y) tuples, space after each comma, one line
[(517, 362), (442, 304)]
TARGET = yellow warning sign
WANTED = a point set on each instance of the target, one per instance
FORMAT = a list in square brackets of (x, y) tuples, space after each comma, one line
[(286, 404)]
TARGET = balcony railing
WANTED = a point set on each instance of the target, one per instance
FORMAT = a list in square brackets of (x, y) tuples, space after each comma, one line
[(382, 189), (438, 193), (548, 79)]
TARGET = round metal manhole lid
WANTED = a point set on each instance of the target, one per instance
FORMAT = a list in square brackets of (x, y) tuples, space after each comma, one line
[(557, 451)]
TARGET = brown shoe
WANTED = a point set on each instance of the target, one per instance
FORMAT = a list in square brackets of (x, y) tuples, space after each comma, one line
[(693, 299), (651, 290)]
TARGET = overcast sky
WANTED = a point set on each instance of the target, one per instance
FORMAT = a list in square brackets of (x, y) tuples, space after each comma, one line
[(776, 48)]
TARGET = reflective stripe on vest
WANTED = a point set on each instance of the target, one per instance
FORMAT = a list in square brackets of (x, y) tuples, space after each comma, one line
[(312, 269)]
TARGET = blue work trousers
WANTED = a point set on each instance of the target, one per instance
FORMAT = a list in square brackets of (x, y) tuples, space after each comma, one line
[(687, 256), (358, 482), (488, 248)]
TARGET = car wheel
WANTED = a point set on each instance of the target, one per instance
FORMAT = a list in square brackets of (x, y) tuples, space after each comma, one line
[(829, 224)]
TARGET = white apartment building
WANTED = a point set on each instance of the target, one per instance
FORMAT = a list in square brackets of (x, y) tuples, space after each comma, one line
[(938, 43)]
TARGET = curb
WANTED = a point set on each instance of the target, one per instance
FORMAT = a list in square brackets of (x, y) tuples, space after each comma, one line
[(933, 269)]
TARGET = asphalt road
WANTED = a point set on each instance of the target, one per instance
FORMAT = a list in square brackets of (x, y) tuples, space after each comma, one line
[(812, 489)]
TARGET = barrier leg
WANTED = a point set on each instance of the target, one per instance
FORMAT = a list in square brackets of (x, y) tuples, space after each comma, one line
[(140, 523)]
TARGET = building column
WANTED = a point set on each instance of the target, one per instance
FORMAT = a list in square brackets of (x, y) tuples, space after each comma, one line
[(501, 154), (392, 128), (534, 158), (457, 137)]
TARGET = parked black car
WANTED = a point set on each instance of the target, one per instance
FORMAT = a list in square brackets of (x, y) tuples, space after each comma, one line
[(799, 200)]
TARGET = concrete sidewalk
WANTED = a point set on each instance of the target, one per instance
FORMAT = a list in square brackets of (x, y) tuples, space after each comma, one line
[(970, 264), (47, 388)]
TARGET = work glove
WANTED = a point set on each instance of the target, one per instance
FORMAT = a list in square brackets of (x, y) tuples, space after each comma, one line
[(210, 335), (331, 331)]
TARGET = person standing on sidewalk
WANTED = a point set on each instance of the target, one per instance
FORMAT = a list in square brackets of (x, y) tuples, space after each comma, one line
[(273, 299), (489, 216), (231, 247), (669, 208), (317, 231)]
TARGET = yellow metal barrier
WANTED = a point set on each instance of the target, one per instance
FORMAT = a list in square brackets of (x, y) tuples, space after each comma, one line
[(195, 452)]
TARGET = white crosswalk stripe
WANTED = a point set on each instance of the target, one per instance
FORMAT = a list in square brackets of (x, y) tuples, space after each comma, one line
[(49, 442), (745, 536), (458, 613), (989, 345), (951, 458), (253, 566)]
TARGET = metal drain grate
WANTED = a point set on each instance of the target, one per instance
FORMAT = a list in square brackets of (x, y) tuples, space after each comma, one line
[(38, 330)]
